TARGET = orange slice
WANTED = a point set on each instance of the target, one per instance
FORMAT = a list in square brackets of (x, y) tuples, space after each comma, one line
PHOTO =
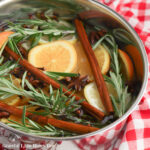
[(59, 56), (136, 57), (83, 66), (127, 67), (13, 100), (103, 59), (4, 37)]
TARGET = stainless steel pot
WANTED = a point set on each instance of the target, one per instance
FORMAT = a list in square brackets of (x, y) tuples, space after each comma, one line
[(114, 19)]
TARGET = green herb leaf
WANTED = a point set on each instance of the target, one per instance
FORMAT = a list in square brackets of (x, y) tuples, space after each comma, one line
[(115, 78), (123, 36), (13, 46), (6, 67), (24, 116), (23, 79), (36, 39), (57, 75)]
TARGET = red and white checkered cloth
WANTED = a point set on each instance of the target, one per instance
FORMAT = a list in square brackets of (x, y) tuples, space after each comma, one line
[(136, 133)]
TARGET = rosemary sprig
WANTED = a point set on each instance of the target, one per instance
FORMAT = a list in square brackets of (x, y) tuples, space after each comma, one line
[(100, 40), (6, 67), (36, 40), (55, 103), (12, 44), (123, 97), (52, 31), (46, 27), (24, 116), (40, 28), (47, 24), (122, 35)]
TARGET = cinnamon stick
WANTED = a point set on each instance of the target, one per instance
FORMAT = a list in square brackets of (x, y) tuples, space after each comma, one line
[(39, 74), (101, 86), (69, 126), (89, 14)]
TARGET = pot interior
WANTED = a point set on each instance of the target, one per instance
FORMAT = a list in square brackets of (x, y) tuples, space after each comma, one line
[(107, 18)]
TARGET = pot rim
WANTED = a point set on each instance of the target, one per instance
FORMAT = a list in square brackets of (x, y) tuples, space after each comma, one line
[(145, 80)]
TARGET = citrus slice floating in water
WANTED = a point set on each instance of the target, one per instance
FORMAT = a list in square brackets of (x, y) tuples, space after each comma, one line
[(134, 53), (92, 95), (103, 58), (127, 67), (58, 56), (4, 37)]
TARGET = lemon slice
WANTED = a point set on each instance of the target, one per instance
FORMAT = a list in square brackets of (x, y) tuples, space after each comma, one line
[(103, 58), (58, 56), (92, 95)]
